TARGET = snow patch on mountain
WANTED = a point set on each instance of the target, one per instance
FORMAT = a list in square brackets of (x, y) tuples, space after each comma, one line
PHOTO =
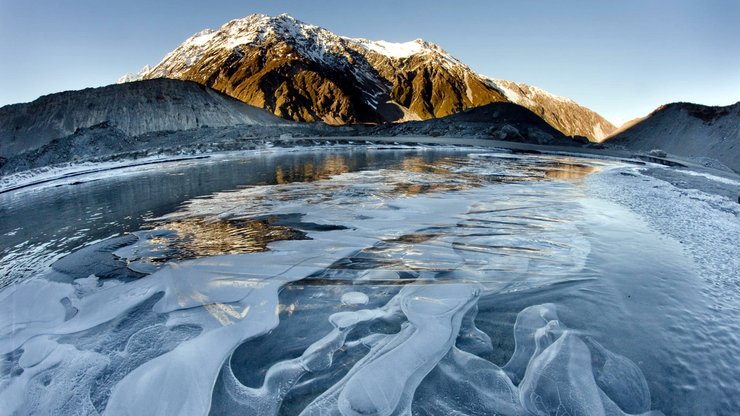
[(131, 77), (521, 93), (392, 50)]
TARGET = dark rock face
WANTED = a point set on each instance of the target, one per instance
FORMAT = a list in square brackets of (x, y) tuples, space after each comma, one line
[(709, 115), (688, 130), (306, 73), (133, 108), (496, 121)]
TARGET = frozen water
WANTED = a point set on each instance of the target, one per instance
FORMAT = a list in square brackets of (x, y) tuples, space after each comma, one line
[(354, 298), (425, 282)]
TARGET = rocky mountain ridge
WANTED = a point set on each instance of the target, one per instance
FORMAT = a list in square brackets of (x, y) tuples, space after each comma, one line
[(564, 114), (134, 108), (304, 72), (497, 121), (688, 130)]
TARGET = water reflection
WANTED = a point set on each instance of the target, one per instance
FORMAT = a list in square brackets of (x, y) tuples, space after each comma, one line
[(197, 237), (40, 225), (331, 185), (414, 189), (568, 171), (75, 215), (311, 170), (418, 164)]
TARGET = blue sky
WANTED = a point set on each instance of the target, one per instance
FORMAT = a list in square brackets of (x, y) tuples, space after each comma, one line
[(619, 58)]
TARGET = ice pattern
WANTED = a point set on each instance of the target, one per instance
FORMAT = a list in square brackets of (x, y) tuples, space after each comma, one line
[(384, 322)]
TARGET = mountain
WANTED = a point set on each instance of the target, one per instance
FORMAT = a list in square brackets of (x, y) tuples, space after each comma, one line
[(685, 129), (306, 73), (498, 121), (562, 113), (134, 108)]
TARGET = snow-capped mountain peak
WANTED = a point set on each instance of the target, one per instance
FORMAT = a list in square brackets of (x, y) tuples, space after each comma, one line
[(307, 73), (311, 40)]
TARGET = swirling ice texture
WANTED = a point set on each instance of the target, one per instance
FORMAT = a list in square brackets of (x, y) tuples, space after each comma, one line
[(559, 377), (224, 304), (222, 300), (162, 344), (385, 380), (419, 370)]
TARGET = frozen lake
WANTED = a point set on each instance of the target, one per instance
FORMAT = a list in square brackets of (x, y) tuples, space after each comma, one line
[(369, 281)]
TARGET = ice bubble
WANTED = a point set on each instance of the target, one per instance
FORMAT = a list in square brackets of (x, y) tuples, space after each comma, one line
[(561, 378), (620, 379), (527, 323), (465, 384), (355, 298)]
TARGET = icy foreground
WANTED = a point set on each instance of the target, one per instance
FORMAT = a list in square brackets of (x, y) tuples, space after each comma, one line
[(375, 314)]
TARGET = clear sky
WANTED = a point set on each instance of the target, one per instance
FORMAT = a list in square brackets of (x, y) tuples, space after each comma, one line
[(620, 58)]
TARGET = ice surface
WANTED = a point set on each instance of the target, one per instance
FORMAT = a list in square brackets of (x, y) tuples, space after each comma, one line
[(528, 322), (706, 229), (396, 266), (387, 378), (560, 377), (619, 378), (464, 383), (72, 172), (354, 298)]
